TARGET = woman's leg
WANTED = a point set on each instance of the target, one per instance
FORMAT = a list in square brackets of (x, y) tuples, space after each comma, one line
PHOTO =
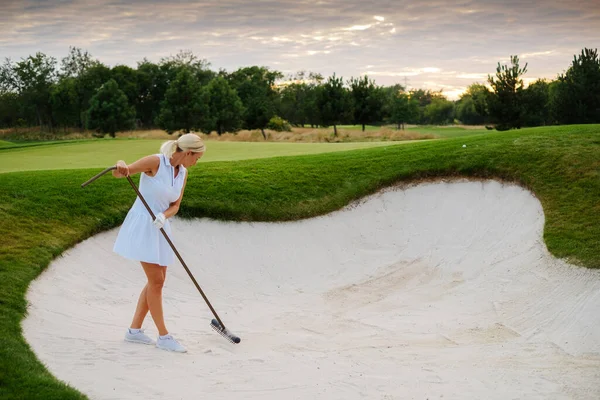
[(152, 294), (153, 302), (141, 309), (142, 305)]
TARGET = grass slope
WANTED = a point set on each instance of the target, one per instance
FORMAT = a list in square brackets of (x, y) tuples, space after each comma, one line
[(44, 213)]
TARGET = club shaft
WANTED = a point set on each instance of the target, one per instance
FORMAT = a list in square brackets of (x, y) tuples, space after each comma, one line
[(98, 176)]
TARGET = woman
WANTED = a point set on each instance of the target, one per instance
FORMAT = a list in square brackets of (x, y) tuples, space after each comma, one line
[(162, 184)]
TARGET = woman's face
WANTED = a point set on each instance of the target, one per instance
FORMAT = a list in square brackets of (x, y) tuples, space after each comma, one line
[(191, 159)]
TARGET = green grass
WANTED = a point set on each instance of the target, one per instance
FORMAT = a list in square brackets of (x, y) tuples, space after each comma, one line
[(43, 213), (449, 132), (101, 153), (31, 143), (4, 143)]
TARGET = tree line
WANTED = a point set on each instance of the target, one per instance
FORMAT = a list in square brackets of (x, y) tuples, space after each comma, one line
[(182, 93)]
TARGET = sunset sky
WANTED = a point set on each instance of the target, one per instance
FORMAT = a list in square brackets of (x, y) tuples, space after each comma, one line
[(432, 44)]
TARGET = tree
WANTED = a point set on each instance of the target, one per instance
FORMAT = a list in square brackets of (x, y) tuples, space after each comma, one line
[(186, 59), (473, 106), (481, 98), (109, 110), (64, 102), (152, 85), (79, 78), (185, 104), (10, 109), (290, 103), (367, 100), (76, 63), (465, 111), (86, 85), (576, 97), (506, 104), (296, 103), (536, 100), (310, 105), (334, 102), (424, 98), (32, 78), (389, 94), (439, 111), (127, 79), (297, 100), (403, 109), (225, 108), (254, 85), (7, 77)]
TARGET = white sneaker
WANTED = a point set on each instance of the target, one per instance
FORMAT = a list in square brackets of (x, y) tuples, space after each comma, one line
[(139, 337), (169, 343)]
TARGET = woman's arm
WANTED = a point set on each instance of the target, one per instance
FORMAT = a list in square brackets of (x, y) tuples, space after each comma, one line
[(174, 207), (148, 164)]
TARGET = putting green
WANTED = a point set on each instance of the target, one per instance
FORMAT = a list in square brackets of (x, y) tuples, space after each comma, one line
[(105, 152)]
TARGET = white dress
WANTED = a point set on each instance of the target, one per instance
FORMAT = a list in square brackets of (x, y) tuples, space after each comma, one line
[(138, 239)]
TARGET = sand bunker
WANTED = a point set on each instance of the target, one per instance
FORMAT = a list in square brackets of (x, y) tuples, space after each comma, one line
[(442, 290)]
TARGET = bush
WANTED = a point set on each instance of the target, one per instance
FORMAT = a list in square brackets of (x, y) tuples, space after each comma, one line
[(279, 124)]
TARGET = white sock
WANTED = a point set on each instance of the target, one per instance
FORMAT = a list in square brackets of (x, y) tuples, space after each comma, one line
[(163, 337), (133, 331)]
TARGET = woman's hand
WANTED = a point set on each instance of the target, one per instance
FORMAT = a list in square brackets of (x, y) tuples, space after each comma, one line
[(122, 169), (159, 222)]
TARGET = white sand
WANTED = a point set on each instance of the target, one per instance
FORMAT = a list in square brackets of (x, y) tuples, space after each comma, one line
[(443, 290)]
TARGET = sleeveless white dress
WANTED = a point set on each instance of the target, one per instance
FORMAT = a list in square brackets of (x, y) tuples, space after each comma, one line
[(138, 239)]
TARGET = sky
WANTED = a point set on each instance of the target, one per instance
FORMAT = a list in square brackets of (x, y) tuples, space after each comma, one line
[(436, 45)]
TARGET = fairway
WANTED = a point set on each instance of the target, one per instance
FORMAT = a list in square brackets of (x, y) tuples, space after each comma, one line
[(105, 152)]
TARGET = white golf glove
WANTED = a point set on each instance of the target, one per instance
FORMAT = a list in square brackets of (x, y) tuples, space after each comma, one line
[(159, 222)]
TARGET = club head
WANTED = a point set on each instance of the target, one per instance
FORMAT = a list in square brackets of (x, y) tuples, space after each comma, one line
[(224, 332)]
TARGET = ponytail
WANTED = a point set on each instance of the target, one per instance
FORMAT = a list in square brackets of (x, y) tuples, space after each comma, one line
[(168, 148), (189, 141)]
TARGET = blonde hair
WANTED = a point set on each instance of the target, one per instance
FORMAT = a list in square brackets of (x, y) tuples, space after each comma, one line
[(189, 141)]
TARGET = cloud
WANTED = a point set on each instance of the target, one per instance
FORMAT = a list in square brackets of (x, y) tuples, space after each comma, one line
[(314, 52), (475, 76), (403, 72), (536, 54), (391, 73), (357, 28)]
